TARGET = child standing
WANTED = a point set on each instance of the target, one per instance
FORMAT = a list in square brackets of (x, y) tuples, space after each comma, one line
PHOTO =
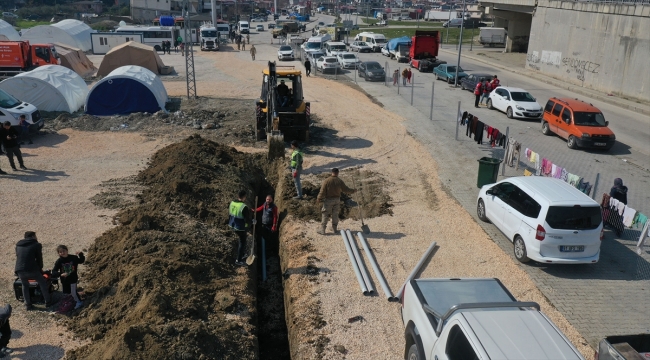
[(67, 266)]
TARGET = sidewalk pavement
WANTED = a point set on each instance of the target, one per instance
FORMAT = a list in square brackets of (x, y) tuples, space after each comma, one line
[(508, 62)]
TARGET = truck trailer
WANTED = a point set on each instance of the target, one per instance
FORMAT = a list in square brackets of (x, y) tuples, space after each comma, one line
[(424, 50), (492, 36)]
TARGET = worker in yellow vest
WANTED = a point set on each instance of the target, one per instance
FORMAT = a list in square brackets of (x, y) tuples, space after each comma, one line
[(240, 222)]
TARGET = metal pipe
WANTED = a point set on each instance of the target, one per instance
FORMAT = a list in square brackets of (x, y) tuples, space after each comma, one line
[(263, 259), (360, 264), (412, 86), (433, 89), (362, 284), (416, 269), (375, 267)]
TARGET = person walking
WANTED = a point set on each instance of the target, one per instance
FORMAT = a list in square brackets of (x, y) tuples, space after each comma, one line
[(238, 41), (5, 330), (243, 43), (66, 266), (478, 91), (182, 49), (248, 38), (239, 221), (307, 67), (24, 130), (487, 89), (330, 197), (619, 191), (408, 75), (169, 47), (405, 74), (269, 218), (253, 51), (395, 77), (296, 168), (29, 265), (9, 137)]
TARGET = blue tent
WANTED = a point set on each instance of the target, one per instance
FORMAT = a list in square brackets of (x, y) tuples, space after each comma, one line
[(394, 43), (127, 89)]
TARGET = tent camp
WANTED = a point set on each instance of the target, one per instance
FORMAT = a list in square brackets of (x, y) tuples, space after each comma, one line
[(131, 53), (49, 88), (126, 90), (75, 59), (7, 31), (69, 31)]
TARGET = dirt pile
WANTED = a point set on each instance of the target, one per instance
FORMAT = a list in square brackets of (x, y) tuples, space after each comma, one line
[(163, 285), (223, 120)]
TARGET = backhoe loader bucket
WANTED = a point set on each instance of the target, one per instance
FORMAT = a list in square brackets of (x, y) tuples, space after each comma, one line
[(275, 143)]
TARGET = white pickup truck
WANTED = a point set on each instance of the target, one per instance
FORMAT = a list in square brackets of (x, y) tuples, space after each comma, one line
[(472, 319)]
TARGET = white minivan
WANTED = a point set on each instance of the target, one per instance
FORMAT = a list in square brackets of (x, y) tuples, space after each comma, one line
[(332, 48), (547, 219), (11, 109), (376, 41), (244, 27)]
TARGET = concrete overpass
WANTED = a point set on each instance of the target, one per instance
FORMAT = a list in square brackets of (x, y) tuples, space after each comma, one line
[(603, 45)]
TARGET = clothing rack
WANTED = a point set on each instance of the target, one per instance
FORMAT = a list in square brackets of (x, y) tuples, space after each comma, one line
[(477, 127)]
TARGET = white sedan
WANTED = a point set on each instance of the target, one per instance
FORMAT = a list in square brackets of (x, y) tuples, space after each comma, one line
[(285, 52), (327, 63), (348, 60), (360, 46), (515, 102)]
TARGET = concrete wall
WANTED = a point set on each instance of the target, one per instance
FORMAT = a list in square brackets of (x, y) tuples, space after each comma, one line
[(518, 26), (600, 46)]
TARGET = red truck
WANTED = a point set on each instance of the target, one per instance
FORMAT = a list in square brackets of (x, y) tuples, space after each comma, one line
[(19, 56), (424, 50)]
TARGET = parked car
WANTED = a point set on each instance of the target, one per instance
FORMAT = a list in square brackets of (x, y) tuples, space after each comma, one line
[(13, 108), (516, 103), (271, 26), (276, 16), (448, 73), (259, 27), (360, 46), (348, 60), (33, 17), (403, 18), (546, 219), (285, 52), (371, 71), (469, 83), (315, 55), (468, 319), (8, 14), (258, 19), (579, 123), (327, 64)]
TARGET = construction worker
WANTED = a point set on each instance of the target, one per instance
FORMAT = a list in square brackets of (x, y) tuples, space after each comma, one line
[(239, 221), (269, 218), (296, 168), (253, 51), (330, 196)]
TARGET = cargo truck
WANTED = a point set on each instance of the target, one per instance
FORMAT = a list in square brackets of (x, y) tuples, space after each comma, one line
[(209, 37), (424, 50), (492, 36), (20, 56)]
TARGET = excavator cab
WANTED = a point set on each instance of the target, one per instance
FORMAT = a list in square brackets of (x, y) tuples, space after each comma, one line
[(281, 111)]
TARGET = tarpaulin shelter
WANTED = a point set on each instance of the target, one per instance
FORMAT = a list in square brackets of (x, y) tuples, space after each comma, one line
[(126, 90), (69, 31), (49, 88), (75, 59), (394, 43), (131, 53), (7, 32)]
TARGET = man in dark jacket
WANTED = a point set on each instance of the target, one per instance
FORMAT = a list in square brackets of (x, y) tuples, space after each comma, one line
[(619, 191), (9, 137), (5, 330), (29, 265)]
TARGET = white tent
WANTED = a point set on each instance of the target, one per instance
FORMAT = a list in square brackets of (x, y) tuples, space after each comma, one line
[(49, 88), (126, 90), (7, 31), (70, 32)]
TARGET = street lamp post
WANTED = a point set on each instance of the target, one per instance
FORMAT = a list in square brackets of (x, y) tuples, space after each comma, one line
[(460, 44), (449, 21)]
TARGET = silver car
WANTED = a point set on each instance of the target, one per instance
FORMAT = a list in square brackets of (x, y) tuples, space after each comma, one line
[(285, 52), (360, 46)]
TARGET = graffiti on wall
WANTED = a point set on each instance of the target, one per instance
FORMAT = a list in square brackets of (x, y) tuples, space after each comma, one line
[(532, 60), (552, 58), (580, 67)]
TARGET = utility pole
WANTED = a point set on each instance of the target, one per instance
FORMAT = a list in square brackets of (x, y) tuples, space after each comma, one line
[(460, 44), (449, 21), (190, 78)]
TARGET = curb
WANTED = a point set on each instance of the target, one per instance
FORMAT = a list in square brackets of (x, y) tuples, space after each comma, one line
[(578, 89)]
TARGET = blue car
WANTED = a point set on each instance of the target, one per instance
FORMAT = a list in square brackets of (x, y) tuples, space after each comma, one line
[(448, 73)]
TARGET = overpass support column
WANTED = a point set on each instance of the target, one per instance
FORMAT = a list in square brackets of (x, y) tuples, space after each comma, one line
[(518, 28)]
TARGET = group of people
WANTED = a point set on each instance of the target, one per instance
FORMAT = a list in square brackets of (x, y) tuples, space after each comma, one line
[(241, 220), (29, 266), (9, 138), (240, 40), (406, 76), (483, 89)]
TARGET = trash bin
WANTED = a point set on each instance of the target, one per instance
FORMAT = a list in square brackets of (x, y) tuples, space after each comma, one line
[(488, 170)]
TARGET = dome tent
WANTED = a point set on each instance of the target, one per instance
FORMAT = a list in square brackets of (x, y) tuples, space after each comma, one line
[(70, 32), (131, 53), (126, 90), (7, 32), (49, 88)]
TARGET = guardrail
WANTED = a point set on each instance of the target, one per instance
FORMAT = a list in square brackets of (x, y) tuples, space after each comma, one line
[(614, 1)]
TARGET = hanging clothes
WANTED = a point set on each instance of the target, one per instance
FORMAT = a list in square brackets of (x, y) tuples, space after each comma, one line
[(564, 176), (558, 172), (527, 153), (527, 173), (553, 170), (605, 202), (628, 216), (613, 203), (573, 180), (513, 150), (478, 137), (538, 165), (547, 167), (640, 219), (620, 208)]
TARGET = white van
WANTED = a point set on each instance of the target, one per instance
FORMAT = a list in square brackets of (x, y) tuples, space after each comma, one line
[(244, 28), (11, 109), (315, 42), (332, 48), (376, 41), (547, 219)]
